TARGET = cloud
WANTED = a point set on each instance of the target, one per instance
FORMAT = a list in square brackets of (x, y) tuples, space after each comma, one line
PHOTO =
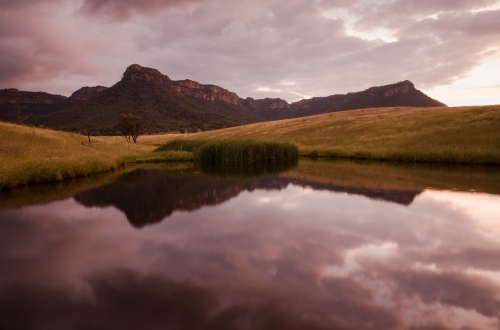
[(325, 47), (124, 9), (449, 288)]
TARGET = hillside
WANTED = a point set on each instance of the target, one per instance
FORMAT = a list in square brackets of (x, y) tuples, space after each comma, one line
[(187, 106), (454, 135), (402, 94), (162, 109)]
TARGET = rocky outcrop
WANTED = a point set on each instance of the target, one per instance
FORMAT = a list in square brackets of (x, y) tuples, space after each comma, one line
[(186, 87), (15, 96), (135, 72), (402, 87), (206, 92), (85, 93), (266, 104)]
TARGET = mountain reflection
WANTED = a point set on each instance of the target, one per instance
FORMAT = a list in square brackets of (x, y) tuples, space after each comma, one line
[(148, 196)]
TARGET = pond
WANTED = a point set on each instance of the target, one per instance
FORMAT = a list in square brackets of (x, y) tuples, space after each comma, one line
[(325, 245)]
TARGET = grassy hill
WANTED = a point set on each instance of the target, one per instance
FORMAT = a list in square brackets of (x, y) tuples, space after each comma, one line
[(455, 135), (34, 155)]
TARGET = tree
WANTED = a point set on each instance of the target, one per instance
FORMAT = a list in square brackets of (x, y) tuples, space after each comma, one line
[(18, 114), (130, 126)]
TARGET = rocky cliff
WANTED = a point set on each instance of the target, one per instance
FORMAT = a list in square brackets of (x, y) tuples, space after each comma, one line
[(186, 87), (267, 103), (206, 92), (85, 93)]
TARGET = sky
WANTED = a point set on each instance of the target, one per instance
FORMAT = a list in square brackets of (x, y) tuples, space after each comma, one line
[(292, 49)]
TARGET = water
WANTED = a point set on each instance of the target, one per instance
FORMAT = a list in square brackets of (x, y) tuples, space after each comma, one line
[(335, 245)]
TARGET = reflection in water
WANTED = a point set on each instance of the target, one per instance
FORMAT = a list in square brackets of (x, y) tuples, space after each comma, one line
[(148, 196), (247, 170), (271, 253)]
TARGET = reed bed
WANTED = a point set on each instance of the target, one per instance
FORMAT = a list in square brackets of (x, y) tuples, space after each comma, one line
[(181, 145), (246, 153)]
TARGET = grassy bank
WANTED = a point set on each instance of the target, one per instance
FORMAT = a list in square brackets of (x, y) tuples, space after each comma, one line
[(32, 155), (451, 135)]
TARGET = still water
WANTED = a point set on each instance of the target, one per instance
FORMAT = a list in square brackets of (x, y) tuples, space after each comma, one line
[(336, 245)]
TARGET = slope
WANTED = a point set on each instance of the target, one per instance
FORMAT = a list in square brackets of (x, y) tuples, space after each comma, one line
[(162, 108), (454, 135)]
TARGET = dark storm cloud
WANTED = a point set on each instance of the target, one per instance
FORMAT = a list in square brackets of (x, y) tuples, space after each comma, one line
[(127, 299), (123, 9), (19, 4)]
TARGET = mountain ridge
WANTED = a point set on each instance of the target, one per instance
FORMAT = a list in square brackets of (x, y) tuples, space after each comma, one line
[(185, 105)]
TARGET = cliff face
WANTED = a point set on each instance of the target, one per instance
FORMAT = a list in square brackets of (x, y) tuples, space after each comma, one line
[(85, 93), (206, 92), (186, 87), (15, 96), (402, 94), (136, 72), (266, 104)]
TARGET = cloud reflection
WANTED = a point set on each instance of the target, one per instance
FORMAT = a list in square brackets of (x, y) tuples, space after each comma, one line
[(336, 261)]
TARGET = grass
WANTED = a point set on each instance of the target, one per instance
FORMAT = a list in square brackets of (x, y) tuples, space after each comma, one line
[(448, 135), (32, 155), (246, 152), (43, 193), (245, 158), (445, 135), (181, 145)]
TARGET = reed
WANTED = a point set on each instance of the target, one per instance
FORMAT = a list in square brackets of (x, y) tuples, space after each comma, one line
[(181, 145), (246, 153)]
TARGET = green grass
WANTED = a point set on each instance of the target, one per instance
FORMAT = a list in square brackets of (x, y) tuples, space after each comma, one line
[(181, 145), (246, 152), (444, 135)]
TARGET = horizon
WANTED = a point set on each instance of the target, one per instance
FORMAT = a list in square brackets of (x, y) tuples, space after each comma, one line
[(282, 49)]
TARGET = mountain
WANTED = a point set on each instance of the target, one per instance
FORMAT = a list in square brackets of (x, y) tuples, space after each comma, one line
[(401, 94), (167, 105)]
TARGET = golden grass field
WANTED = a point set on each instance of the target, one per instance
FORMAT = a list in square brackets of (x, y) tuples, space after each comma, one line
[(34, 155), (454, 135)]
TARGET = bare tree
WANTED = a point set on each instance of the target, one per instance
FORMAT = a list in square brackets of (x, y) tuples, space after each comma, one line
[(18, 114)]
